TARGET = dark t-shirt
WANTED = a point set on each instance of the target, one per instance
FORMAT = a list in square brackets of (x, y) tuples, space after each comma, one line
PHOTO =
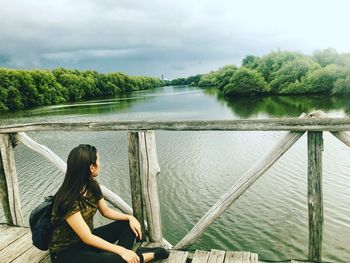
[(63, 235)]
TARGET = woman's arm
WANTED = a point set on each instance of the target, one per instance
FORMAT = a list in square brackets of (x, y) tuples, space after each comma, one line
[(115, 215), (110, 213), (77, 223)]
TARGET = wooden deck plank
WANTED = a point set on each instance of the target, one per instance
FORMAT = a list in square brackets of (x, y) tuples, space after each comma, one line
[(10, 235), (233, 257), (16, 248), (31, 255), (216, 256), (201, 256), (296, 261), (3, 227), (245, 257), (254, 258), (149, 244), (47, 259), (176, 257)]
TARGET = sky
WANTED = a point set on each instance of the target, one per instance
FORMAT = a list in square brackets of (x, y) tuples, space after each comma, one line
[(160, 37)]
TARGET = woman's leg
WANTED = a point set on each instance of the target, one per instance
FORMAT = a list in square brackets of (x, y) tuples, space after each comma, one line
[(83, 253), (117, 231)]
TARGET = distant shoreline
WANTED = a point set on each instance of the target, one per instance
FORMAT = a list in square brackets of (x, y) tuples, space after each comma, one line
[(280, 73), (24, 89)]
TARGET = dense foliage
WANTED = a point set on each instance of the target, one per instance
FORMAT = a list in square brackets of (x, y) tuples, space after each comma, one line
[(283, 72), (27, 88), (192, 80)]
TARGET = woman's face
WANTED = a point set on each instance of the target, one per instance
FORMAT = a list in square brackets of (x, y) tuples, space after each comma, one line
[(95, 169)]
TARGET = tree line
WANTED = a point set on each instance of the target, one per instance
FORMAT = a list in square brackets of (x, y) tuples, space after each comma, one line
[(20, 89), (280, 72)]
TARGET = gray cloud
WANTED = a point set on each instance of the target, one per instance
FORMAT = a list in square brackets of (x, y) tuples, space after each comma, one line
[(174, 38)]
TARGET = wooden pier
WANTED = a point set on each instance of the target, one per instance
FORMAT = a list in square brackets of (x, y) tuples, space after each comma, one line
[(16, 247), (15, 238)]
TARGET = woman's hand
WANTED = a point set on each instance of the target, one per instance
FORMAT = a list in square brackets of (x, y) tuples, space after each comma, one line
[(130, 256), (135, 227)]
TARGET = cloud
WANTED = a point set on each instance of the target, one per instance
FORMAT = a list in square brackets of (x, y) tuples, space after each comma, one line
[(152, 37)]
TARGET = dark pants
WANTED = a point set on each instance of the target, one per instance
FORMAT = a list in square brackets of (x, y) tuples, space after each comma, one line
[(117, 231)]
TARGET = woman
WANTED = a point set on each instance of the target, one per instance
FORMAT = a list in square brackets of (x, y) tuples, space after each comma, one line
[(75, 203)]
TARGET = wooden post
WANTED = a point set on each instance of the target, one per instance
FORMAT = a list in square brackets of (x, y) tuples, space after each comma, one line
[(9, 184), (4, 194), (144, 168), (315, 196), (149, 169), (135, 180)]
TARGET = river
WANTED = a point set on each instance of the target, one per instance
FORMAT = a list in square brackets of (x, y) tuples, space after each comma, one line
[(198, 167)]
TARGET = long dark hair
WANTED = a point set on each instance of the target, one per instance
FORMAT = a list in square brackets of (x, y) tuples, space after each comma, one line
[(78, 178)]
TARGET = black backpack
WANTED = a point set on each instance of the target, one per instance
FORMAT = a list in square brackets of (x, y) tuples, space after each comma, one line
[(40, 224)]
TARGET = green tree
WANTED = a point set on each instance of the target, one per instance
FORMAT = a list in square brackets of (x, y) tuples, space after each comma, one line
[(246, 82), (224, 75), (272, 62), (342, 86), (3, 99), (326, 57), (14, 100), (209, 79), (323, 80), (293, 71), (50, 91), (251, 62)]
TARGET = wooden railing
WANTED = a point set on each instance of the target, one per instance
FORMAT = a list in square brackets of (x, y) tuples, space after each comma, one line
[(144, 167)]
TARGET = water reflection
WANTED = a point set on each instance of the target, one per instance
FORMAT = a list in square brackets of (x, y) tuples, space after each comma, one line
[(281, 106), (101, 106)]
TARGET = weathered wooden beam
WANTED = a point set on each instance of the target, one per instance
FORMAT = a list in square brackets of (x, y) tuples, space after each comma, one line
[(282, 124), (42, 150), (135, 180), (4, 195), (144, 168), (343, 136), (9, 183), (149, 169), (315, 195), (239, 187), (111, 197)]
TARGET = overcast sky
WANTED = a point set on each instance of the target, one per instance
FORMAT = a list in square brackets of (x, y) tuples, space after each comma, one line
[(176, 38)]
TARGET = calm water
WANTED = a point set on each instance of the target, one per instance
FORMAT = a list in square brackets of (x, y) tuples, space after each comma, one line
[(198, 167)]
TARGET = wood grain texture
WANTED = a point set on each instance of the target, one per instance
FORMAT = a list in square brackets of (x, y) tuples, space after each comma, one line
[(135, 180), (216, 256), (17, 248), (245, 257), (8, 177), (315, 195), (32, 255), (254, 258), (10, 235), (201, 256), (233, 257), (149, 169), (275, 124), (176, 257)]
